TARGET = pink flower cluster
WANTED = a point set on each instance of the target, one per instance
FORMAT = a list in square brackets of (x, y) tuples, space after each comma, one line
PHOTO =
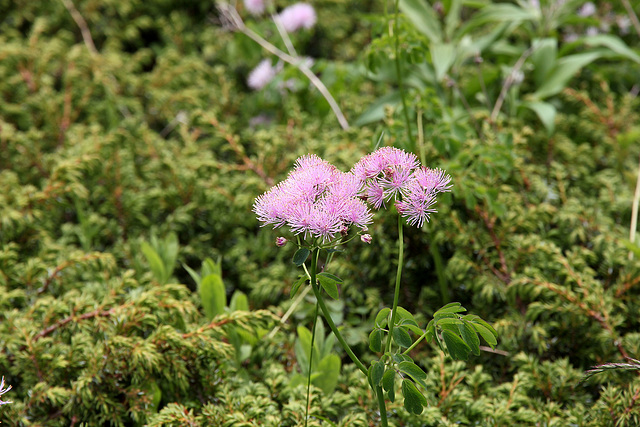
[(318, 200), (296, 16), (261, 75), (391, 173), (315, 200)]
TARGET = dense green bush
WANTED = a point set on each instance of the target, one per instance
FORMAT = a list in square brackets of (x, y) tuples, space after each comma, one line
[(109, 151)]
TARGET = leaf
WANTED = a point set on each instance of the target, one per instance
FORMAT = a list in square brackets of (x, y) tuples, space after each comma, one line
[(614, 43), (377, 371), (546, 113), (564, 70), (376, 111), (329, 372), (414, 371), (239, 301), (213, 296), (442, 57), (401, 337), (485, 334), (331, 277), (329, 285), (403, 314), (194, 275), (388, 379), (382, 317), (155, 262), (543, 58), (296, 286), (452, 307), (448, 321), (413, 399), (423, 17), (375, 340), (457, 348), (301, 256), (470, 337)]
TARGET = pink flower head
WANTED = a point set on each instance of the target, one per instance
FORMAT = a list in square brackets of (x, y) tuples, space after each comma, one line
[(296, 16), (366, 238), (281, 241), (261, 75), (384, 173), (390, 173), (255, 7), (315, 200)]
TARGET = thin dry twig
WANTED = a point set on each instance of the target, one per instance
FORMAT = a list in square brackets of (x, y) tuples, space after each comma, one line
[(232, 20), (634, 214), (82, 24), (509, 81)]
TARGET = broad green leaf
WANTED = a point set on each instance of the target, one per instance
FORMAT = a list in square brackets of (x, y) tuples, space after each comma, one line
[(458, 349), (382, 317), (423, 17), (470, 337), (402, 338), (211, 267), (377, 371), (376, 111), (155, 262), (452, 20), (486, 325), (499, 12), (403, 314), (375, 340), (564, 70), (329, 372), (438, 315), (416, 330), (300, 256), (545, 112), (453, 307), (413, 399), (448, 321), (239, 302), (194, 275), (391, 394), (485, 334), (430, 330), (388, 379), (614, 43), (414, 371), (331, 277), (442, 57), (329, 285), (212, 295), (543, 58), (399, 358)]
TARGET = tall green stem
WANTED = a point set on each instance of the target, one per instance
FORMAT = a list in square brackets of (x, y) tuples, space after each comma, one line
[(396, 294), (396, 35), (313, 338), (325, 311), (327, 315)]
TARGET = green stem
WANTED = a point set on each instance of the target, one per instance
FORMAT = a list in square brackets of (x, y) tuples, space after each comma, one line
[(396, 294), (327, 315), (313, 338), (396, 34), (325, 311)]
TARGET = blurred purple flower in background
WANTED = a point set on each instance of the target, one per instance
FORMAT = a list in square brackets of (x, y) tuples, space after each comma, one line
[(296, 16), (255, 7), (261, 75)]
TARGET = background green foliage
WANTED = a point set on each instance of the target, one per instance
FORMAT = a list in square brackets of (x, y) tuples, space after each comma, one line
[(154, 144)]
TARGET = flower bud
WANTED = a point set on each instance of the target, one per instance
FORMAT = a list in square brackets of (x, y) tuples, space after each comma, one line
[(280, 241), (366, 238)]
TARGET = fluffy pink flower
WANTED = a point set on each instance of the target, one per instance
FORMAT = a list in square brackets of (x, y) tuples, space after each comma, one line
[(296, 16), (255, 7), (315, 200), (261, 75), (390, 173)]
